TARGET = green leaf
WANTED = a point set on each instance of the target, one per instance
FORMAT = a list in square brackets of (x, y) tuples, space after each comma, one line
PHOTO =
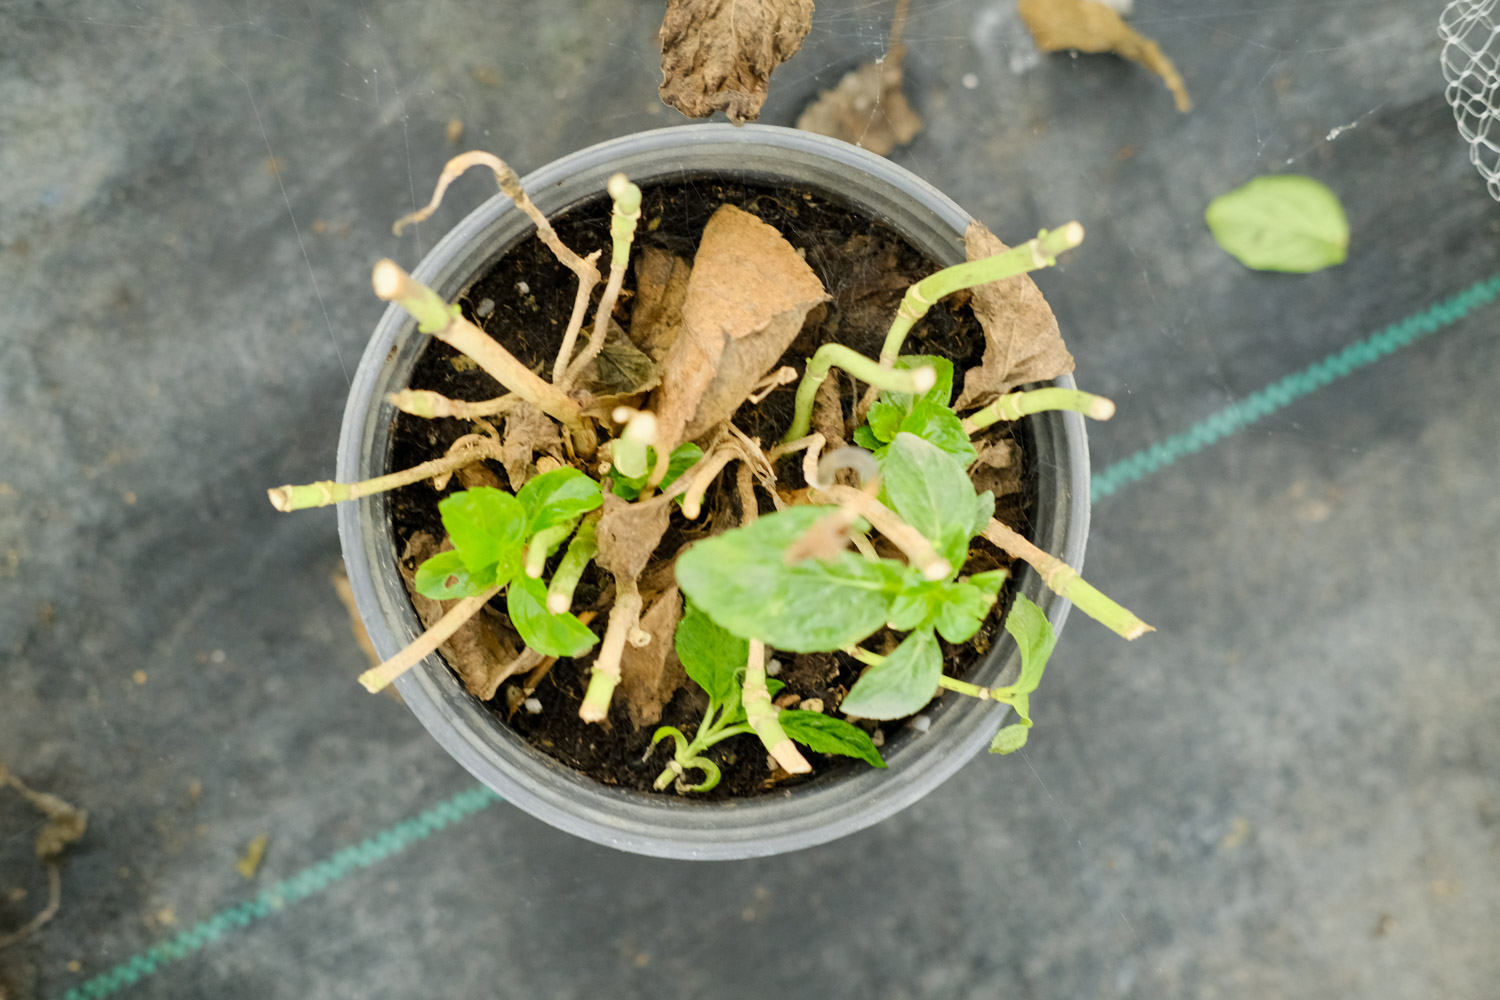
[(1283, 222), (683, 458), (1009, 739), (445, 577), (825, 734), (558, 497), (962, 611), (742, 580), (990, 582), (892, 408), (1033, 633), (901, 683), (487, 527), (984, 509), (865, 438), (936, 423), (932, 493), (916, 605), (711, 656), (543, 631)]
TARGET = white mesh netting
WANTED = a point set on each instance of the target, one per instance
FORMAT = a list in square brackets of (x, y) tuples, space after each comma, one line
[(1471, 64)]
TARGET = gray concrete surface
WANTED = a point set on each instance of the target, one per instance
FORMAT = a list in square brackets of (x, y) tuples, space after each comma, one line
[(1290, 790)]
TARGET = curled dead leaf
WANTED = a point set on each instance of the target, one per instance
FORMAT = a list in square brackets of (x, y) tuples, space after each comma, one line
[(1088, 26), (528, 432), (1022, 340), (717, 55), (661, 280), (628, 533), (747, 298), (650, 675), (867, 107)]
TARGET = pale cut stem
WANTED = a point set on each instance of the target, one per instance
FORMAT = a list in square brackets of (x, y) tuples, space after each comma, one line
[(1064, 581), (581, 551), (623, 617), (325, 492), (762, 715), (625, 214), (1015, 405), (431, 405), (917, 549), (376, 678), (575, 321), (628, 453), (912, 380), (542, 545), (436, 317), (1029, 256), (704, 474)]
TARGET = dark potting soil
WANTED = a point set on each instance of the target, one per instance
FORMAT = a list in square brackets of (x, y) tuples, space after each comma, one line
[(524, 301)]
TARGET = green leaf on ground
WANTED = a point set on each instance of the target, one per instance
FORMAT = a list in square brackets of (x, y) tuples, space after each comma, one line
[(1010, 739), (1282, 222)]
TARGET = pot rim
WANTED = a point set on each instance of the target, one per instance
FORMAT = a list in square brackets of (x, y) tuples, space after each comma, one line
[(663, 825)]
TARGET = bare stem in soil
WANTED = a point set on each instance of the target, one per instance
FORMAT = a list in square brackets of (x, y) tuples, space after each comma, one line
[(1015, 405), (622, 220), (623, 617), (879, 376), (762, 715), (1064, 581), (1029, 256), (431, 405), (325, 492)]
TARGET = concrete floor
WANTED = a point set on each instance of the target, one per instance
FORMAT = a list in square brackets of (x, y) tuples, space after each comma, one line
[(1290, 790)]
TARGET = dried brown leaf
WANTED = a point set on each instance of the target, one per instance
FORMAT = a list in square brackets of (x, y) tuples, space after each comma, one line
[(661, 280), (867, 107), (1022, 341), (717, 55), (482, 652), (996, 469), (528, 431), (747, 298), (650, 675), (1087, 26), (356, 624), (628, 533)]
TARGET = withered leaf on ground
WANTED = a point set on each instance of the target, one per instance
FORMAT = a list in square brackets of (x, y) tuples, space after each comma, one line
[(528, 431), (1022, 341), (1088, 26), (996, 468), (651, 674), (619, 373), (717, 55), (661, 280), (628, 533), (867, 107), (747, 298), (482, 652)]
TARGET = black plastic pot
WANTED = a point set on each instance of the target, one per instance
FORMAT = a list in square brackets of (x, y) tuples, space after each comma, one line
[(667, 825)]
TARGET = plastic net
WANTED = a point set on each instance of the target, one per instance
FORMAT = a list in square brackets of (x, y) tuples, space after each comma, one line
[(1471, 64)]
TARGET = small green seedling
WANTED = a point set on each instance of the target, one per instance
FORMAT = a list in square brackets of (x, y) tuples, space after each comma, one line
[(683, 458), (500, 540), (716, 660), (927, 415)]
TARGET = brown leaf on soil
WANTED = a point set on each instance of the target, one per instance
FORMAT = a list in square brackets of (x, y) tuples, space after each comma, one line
[(482, 652), (650, 675), (528, 431), (628, 533), (661, 281), (866, 108), (621, 373), (1022, 341), (476, 475), (1087, 26), (747, 298), (996, 469), (717, 55)]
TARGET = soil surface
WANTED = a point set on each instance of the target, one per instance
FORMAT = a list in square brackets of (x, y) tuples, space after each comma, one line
[(524, 301)]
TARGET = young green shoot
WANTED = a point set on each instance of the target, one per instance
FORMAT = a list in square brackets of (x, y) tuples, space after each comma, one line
[(628, 452), (920, 297), (719, 663), (915, 380), (581, 551), (1015, 405), (496, 538)]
